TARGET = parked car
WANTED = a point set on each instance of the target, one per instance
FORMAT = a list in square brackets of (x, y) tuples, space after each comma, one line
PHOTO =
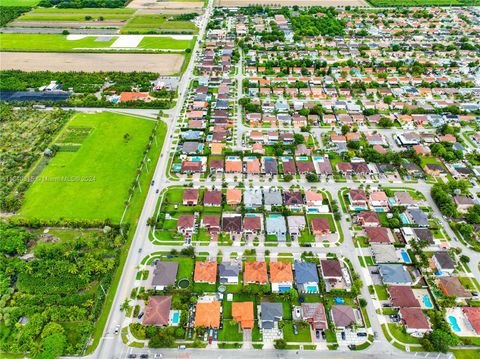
[(295, 329), (343, 335), (317, 334), (297, 312), (215, 335), (361, 334), (324, 336), (153, 182), (210, 339), (352, 347), (132, 355), (144, 356), (140, 315)]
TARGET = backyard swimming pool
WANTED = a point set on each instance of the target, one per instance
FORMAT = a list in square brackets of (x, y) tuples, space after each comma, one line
[(175, 317), (426, 301), (405, 256), (403, 218), (454, 324)]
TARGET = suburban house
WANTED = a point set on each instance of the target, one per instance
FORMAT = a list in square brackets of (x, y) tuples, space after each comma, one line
[(252, 198), (157, 311), (418, 217), (296, 224), (252, 223), (472, 314), (416, 322), (243, 314), (379, 235), (270, 314), (315, 315), (320, 226), (255, 273), (234, 196), (306, 277), (212, 198), (190, 197), (402, 296), (463, 203), (451, 286), (228, 272), (164, 275), (394, 274), (186, 223), (281, 276), (276, 226), (332, 273), (205, 272), (443, 262), (343, 316), (379, 201), (368, 219), (207, 315), (272, 198), (211, 223), (358, 199), (313, 199), (232, 223)]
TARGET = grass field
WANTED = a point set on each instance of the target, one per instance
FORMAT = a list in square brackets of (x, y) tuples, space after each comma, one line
[(158, 23), (150, 42), (19, 2), (386, 3), (93, 182), (61, 43)]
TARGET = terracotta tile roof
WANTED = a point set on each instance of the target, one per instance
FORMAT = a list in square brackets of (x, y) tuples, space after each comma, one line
[(255, 272), (186, 221), (378, 235), (452, 286), (133, 96), (207, 315), (253, 223), (320, 225), (473, 316), (253, 166), (402, 296), (234, 196), (233, 166), (205, 272), (368, 217), (243, 313), (331, 268), (358, 195), (281, 272), (212, 198), (190, 195), (414, 318), (216, 148), (158, 310)]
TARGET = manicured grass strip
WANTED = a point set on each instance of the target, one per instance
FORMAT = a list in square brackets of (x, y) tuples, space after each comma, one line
[(19, 2), (92, 183)]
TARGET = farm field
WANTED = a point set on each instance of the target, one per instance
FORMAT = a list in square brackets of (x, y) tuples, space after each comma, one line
[(79, 43), (97, 176), (163, 64), (157, 5), (158, 23)]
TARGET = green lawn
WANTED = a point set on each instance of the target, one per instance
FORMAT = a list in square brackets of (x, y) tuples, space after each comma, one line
[(230, 332), (57, 42), (19, 2), (87, 11), (382, 293), (186, 266), (157, 42), (303, 332), (49, 42), (467, 353), (92, 183), (72, 17), (398, 333)]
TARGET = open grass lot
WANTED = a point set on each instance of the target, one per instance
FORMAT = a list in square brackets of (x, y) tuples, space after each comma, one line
[(387, 3), (467, 353), (93, 182), (158, 23), (303, 332), (62, 43), (19, 2), (49, 42), (157, 42)]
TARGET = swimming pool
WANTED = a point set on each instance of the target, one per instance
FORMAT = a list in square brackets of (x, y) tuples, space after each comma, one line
[(339, 300), (196, 159), (313, 210), (302, 158), (379, 210), (175, 320), (403, 218), (454, 324), (426, 301), (405, 256), (312, 289)]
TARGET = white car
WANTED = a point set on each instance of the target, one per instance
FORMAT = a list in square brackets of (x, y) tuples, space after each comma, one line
[(117, 330)]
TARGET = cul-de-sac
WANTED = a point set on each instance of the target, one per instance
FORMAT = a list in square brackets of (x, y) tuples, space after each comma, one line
[(240, 179)]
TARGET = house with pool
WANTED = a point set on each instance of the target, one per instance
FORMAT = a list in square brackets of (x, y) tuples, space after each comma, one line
[(306, 277), (415, 321), (281, 276), (464, 321)]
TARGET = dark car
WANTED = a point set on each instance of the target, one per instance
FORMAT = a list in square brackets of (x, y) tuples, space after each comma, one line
[(153, 182), (361, 334), (343, 336), (317, 334), (295, 329), (324, 336), (352, 347), (144, 356), (132, 355), (140, 315)]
